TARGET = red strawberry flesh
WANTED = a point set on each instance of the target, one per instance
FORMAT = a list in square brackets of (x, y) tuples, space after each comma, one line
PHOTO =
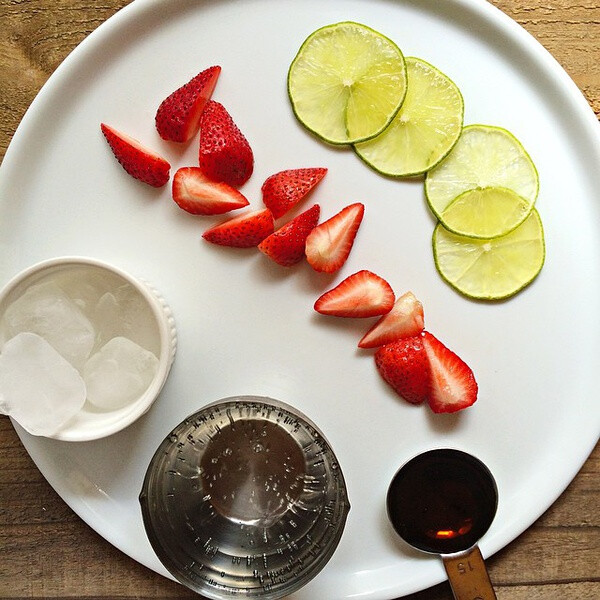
[(286, 245), (178, 116), (140, 162), (224, 153), (404, 320), (452, 386), (328, 245), (283, 190), (243, 231), (404, 365), (362, 294), (198, 195)]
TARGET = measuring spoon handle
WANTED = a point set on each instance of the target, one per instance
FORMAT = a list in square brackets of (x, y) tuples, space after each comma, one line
[(468, 576)]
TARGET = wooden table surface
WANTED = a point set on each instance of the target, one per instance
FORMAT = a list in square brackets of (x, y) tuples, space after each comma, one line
[(46, 551)]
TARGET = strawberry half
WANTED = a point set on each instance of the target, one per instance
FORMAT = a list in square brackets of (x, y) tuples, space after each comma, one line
[(404, 320), (197, 194), (362, 294), (137, 160), (452, 386), (286, 245), (329, 244), (178, 116), (244, 231), (283, 190), (404, 365), (225, 154)]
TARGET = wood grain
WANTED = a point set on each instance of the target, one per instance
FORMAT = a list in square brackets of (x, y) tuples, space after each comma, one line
[(46, 551)]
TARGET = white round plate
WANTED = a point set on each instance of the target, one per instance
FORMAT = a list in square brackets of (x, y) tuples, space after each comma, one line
[(247, 326)]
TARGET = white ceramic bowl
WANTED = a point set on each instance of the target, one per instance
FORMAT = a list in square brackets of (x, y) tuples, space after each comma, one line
[(91, 423)]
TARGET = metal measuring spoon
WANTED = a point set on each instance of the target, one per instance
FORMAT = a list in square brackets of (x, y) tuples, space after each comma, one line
[(442, 502)]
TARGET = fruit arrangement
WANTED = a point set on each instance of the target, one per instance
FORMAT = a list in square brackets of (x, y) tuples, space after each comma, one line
[(403, 118)]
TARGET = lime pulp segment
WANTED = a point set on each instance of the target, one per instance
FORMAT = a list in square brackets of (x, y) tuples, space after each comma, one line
[(484, 156), (486, 212), (491, 269), (425, 128), (347, 82)]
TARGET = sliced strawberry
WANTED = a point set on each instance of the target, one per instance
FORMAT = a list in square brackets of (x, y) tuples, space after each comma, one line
[(404, 365), (404, 320), (197, 194), (244, 231), (453, 386), (283, 190), (225, 154), (329, 244), (178, 116), (362, 294), (286, 245), (138, 161)]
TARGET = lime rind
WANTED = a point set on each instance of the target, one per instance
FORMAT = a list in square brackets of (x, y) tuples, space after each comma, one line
[(491, 269), (424, 130), (486, 212), (484, 156), (338, 91)]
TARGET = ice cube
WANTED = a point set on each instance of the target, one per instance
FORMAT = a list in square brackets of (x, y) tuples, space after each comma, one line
[(46, 310), (84, 285), (38, 387), (123, 312), (119, 373), (106, 318)]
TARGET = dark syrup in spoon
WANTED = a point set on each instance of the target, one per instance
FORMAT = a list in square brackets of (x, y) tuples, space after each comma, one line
[(442, 501)]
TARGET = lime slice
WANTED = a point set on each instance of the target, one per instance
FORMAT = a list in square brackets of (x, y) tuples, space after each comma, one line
[(347, 82), (486, 212), (491, 269), (484, 156), (425, 128)]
